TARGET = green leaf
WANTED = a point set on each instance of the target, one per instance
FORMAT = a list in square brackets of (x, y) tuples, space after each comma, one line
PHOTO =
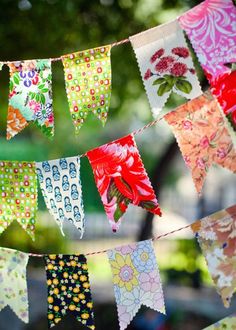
[(44, 90), (117, 214), (183, 86), (37, 97), (11, 85), (43, 99), (41, 86), (170, 80), (147, 204), (163, 88), (182, 78), (16, 79), (158, 81)]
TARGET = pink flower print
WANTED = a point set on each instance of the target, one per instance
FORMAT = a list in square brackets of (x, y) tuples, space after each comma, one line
[(127, 249), (187, 160), (200, 163), (221, 153), (126, 273), (204, 142), (181, 52), (51, 118), (187, 124), (179, 69), (149, 281), (35, 106), (157, 55), (148, 74), (164, 64)]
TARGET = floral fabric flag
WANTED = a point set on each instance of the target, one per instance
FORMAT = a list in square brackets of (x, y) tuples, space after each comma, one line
[(121, 179), (68, 289), (30, 97), (18, 195), (203, 137), (228, 323), (136, 280), (216, 235), (13, 285), (165, 64), (62, 191), (88, 84)]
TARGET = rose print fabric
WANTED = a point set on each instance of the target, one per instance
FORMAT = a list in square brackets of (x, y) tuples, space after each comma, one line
[(13, 285), (228, 323), (165, 64), (18, 195), (30, 97), (202, 134), (216, 235), (211, 28), (62, 191), (88, 84), (68, 289), (121, 179), (136, 280)]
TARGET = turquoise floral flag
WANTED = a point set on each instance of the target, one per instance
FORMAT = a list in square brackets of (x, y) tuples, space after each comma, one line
[(13, 286), (30, 97)]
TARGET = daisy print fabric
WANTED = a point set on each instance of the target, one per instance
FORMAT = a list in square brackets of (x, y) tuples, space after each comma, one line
[(121, 179), (62, 191), (68, 289), (136, 280), (216, 235), (30, 97), (165, 64), (88, 84)]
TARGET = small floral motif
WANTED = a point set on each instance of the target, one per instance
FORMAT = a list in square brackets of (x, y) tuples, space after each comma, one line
[(13, 286), (228, 323), (68, 289), (135, 284)]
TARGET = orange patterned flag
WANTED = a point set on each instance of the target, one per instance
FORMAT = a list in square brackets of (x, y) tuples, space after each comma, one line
[(201, 132)]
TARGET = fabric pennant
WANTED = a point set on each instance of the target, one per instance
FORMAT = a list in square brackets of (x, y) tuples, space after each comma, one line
[(203, 137), (88, 84), (13, 285), (62, 191), (165, 64), (18, 195), (121, 179), (30, 97), (211, 29), (68, 289), (216, 235), (136, 280), (228, 323)]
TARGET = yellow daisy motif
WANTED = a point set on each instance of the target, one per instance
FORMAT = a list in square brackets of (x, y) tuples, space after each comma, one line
[(49, 266), (55, 281), (85, 316), (52, 256), (56, 291), (61, 263), (49, 282), (72, 307), (56, 309), (83, 278), (50, 300), (75, 276), (81, 296), (86, 285), (50, 316), (90, 305), (65, 275), (73, 263), (63, 288), (76, 290)]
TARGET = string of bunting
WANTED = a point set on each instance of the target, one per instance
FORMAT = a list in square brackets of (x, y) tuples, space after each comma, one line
[(135, 274)]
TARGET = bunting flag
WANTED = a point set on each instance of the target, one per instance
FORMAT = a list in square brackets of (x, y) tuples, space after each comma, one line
[(62, 191), (165, 64), (68, 289), (228, 323), (136, 280), (121, 179), (203, 137), (88, 84), (13, 285), (30, 97), (18, 195), (216, 235)]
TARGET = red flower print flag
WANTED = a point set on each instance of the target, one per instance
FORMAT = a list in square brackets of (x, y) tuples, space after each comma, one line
[(121, 179), (203, 137), (165, 64), (88, 84)]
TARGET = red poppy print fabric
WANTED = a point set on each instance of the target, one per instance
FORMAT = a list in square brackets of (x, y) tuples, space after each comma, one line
[(121, 179), (203, 137)]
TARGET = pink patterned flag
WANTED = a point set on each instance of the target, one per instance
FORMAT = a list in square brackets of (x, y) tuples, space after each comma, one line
[(136, 280), (217, 238), (202, 134), (121, 179), (165, 64)]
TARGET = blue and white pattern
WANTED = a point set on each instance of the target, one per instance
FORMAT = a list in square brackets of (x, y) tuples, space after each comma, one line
[(62, 191)]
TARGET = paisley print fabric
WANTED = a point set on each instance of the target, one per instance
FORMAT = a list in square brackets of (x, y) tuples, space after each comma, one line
[(61, 188)]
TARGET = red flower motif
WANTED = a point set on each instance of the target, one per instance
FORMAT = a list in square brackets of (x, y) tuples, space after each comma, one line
[(157, 55), (179, 69), (181, 52), (148, 74), (164, 64), (191, 70)]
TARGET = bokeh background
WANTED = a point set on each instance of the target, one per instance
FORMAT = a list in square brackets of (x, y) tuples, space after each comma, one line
[(49, 28)]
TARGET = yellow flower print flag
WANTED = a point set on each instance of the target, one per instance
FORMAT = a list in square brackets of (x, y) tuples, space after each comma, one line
[(203, 137), (136, 280), (228, 323), (30, 97), (216, 235), (165, 64), (13, 285), (18, 195), (88, 84), (68, 289)]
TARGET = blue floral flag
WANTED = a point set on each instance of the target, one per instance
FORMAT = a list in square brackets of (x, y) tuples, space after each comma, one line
[(61, 188), (136, 280)]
